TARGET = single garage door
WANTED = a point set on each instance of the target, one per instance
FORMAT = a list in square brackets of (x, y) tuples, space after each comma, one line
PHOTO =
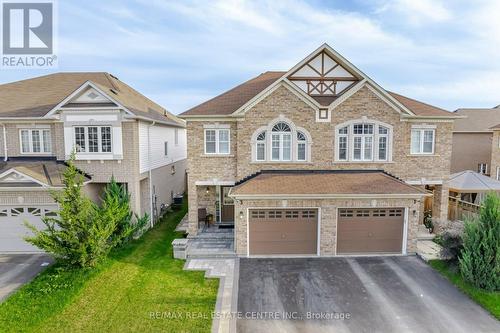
[(370, 230), (12, 228), (283, 231)]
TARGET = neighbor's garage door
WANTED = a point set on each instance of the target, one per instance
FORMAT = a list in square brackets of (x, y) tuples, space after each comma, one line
[(283, 231), (12, 228), (370, 230)]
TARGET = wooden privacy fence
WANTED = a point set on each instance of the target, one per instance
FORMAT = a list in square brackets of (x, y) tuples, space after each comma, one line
[(461, 210)]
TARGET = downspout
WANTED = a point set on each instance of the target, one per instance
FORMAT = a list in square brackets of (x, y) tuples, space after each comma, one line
[(150, 176), (5, 157)]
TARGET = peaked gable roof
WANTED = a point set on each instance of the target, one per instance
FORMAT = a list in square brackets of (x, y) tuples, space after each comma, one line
[(232, 101), (35, 97)]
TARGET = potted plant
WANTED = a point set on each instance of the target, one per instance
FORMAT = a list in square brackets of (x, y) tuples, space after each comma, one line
[(428, 221)]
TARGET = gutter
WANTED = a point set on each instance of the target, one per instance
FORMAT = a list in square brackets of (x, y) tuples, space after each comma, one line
[(150, 176), (5, 157), (168, 123), (327, 196)]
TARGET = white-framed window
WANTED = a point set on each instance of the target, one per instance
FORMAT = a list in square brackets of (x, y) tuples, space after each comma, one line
[(176, 136), (165, 148), (301, 146), (422, 140), (35, 141), (482, 168), (217, 141), (93, 139), (281, 142), (363, 141), (498, 173), (260, 154)]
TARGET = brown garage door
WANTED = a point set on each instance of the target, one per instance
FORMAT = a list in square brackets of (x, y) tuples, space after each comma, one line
[(283, 231), (370, 230)]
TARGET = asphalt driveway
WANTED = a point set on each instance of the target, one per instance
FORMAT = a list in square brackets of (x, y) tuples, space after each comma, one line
[(363, 294), (18, 269)]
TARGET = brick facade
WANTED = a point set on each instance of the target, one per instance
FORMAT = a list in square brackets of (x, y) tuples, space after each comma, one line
[(328, 221), (364, 104)]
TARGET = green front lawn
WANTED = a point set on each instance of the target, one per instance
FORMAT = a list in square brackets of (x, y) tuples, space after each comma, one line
[(120, 295), (488, 300)]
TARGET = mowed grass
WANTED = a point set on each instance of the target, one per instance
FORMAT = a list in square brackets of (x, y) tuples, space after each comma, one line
[(139, 288), (489, 300)]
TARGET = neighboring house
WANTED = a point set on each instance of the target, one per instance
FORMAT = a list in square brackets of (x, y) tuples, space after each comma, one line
[(114, 130), (318, 160), (495, 151), (472, 140)]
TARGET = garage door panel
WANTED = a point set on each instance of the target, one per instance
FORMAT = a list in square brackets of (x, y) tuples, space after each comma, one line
[(285, 236), (13, 230), (283, 231), (370, 230)]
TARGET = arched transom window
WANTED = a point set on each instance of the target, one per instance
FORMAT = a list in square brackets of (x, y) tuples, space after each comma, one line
[(363, 142), (281, 142)]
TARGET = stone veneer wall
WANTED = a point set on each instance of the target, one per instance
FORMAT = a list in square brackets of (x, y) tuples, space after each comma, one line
[(495, 154), (238, 164), (362, 103), (328, 223)]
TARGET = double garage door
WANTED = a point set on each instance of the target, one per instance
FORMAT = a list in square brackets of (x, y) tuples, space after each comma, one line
[(13, 230), (295, 231)]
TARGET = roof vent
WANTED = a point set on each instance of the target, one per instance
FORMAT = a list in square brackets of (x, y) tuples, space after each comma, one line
[(114, 77), (113, 91)]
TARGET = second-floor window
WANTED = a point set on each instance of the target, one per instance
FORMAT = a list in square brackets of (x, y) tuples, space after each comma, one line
[(280, 142), (93, 139), (35, 141), (482, 168), (363, 142), (422, 141), (217, 141)]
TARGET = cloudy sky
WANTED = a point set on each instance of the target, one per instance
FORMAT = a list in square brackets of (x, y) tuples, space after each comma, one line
[(180, 53)]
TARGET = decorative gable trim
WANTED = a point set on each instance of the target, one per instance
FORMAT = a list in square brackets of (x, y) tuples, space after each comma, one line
[(364, 80), (14, 176), (87, 84)]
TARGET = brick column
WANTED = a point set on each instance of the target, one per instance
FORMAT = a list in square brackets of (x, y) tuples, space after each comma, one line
[(192, 207), (440, 204)]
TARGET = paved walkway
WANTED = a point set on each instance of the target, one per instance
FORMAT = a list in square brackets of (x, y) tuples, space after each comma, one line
[(183, 224), (227, 270), (428, 250)]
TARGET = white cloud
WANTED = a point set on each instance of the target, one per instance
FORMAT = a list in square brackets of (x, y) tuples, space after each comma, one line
[(418, 12)]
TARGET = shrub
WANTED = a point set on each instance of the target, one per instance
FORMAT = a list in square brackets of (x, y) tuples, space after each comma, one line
[(451, 244), (82, 233), (480, 257)]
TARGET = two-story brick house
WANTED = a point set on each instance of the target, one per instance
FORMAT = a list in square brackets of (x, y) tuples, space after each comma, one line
[(114, 130), (318, 160)]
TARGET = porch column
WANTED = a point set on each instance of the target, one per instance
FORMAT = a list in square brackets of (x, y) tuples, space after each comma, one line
[(440, 204), (192, 207)]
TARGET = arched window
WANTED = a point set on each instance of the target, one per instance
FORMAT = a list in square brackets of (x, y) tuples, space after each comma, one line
[(281, 142), (261, 146), (301, 146), (364, 141)]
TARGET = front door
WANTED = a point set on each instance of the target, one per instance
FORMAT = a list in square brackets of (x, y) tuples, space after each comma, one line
[(227, 207)]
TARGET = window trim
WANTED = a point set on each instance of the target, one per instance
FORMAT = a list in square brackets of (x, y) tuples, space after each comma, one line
[(422, 131), (165, 149), (217, 141), (374, 144), (480, 168), (30, 141), (267, 143), (99, 139)]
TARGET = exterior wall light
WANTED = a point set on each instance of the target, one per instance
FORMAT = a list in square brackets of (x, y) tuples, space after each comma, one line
[(241, 215), (208, 190)]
